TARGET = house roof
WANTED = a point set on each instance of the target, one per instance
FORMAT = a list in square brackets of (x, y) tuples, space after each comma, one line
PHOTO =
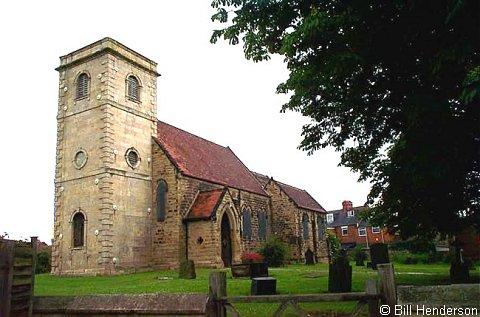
[(203, 159), (341, 218), (301, 198), (205, 204)]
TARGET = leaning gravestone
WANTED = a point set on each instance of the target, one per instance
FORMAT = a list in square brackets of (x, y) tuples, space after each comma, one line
[(309, 257)]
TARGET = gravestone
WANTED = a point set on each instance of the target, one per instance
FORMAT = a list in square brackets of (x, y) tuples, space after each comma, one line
[(187, 270), (264, 286), (340, 274), (379, 254), (309, 257)]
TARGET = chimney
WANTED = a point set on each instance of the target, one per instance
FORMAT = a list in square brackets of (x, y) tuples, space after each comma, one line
[(347, 205)]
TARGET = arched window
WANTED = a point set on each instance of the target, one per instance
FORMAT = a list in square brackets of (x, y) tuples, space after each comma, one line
[(305, 227), (133, 88), (82, 86), (78, 230), (161, 200), (262, 225), (321, 227), (247, 224)]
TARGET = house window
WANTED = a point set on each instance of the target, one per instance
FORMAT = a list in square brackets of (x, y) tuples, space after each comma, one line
[(133, 88), (375, 229), (78, 230), (329, 218), (321, 227), (362, 231), (247, 224), (305, 227), (82, 86), (345, 231), (161, 200), (350, 213), (262, 225)]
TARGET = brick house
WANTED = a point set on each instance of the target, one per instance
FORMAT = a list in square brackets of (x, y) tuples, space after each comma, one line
[(351, 230), (135, 193)]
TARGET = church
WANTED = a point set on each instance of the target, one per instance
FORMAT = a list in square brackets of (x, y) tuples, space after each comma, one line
[(135, 193)]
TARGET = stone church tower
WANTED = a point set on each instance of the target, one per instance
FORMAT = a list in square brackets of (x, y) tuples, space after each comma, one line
[(107, 116)]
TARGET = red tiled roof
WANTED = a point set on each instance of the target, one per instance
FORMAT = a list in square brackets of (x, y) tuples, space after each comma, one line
[(301, 198), (202, 159), (205, 204)]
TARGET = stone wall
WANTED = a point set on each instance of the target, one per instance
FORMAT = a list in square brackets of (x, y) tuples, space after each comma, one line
[(169, 237), (122, 305), (114, 197), (286, 223)]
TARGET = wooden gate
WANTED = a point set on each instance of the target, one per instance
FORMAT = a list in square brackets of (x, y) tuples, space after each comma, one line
[(220, 303), (17, 276)]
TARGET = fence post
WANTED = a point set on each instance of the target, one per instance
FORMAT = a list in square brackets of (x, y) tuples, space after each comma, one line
[(33, 241), (371, 289), (217, 288), (7, 251), (387, 285)]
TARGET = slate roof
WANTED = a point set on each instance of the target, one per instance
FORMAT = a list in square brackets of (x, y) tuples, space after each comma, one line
[(340, 218), (205, 204), (205, 160), (301, 198)]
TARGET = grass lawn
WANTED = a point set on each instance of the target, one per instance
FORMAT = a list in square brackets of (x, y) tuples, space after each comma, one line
[(292, 279)]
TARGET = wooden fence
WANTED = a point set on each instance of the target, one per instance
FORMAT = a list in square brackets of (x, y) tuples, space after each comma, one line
[(17, 276), (220, 303)]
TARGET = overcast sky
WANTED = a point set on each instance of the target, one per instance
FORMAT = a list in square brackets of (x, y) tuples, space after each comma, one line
[(209, 90)]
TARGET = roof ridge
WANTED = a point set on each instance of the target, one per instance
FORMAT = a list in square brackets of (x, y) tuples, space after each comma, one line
[(192, 134)]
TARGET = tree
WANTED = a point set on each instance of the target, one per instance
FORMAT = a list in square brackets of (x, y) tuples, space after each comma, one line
[(393, 85)]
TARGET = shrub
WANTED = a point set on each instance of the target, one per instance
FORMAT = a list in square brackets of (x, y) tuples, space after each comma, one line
[(334, 245), (359, 254), (274, 251), (250, 257), (43, 263)]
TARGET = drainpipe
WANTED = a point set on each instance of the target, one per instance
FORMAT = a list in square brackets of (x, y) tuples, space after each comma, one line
[(185, 223), (366, 237)]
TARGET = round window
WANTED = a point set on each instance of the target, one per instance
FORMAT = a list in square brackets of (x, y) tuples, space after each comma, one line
[(132, 157), (80, 159)]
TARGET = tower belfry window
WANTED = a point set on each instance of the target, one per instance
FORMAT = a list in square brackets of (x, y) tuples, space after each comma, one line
[(133, 88), (82, 86)]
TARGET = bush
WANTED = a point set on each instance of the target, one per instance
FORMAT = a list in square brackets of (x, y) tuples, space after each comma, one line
[(359, 254), (43, 263), (251, 257), (274, 252), (334, 245)]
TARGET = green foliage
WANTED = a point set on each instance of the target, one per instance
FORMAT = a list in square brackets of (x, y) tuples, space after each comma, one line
[(406, 257), (359, 254), (393, 85), (274, 252), (415, 245), (334, 245), (43, 263)]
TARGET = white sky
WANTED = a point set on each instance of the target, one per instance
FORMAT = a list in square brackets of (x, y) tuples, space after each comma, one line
[(209, 90)]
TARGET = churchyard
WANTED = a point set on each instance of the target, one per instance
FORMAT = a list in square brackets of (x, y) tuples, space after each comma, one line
[(291, 279)]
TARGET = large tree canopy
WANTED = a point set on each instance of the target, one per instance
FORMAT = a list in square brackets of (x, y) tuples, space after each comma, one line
[(394, 85)]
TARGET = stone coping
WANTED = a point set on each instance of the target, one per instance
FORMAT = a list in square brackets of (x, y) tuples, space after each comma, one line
[(158, 304)]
